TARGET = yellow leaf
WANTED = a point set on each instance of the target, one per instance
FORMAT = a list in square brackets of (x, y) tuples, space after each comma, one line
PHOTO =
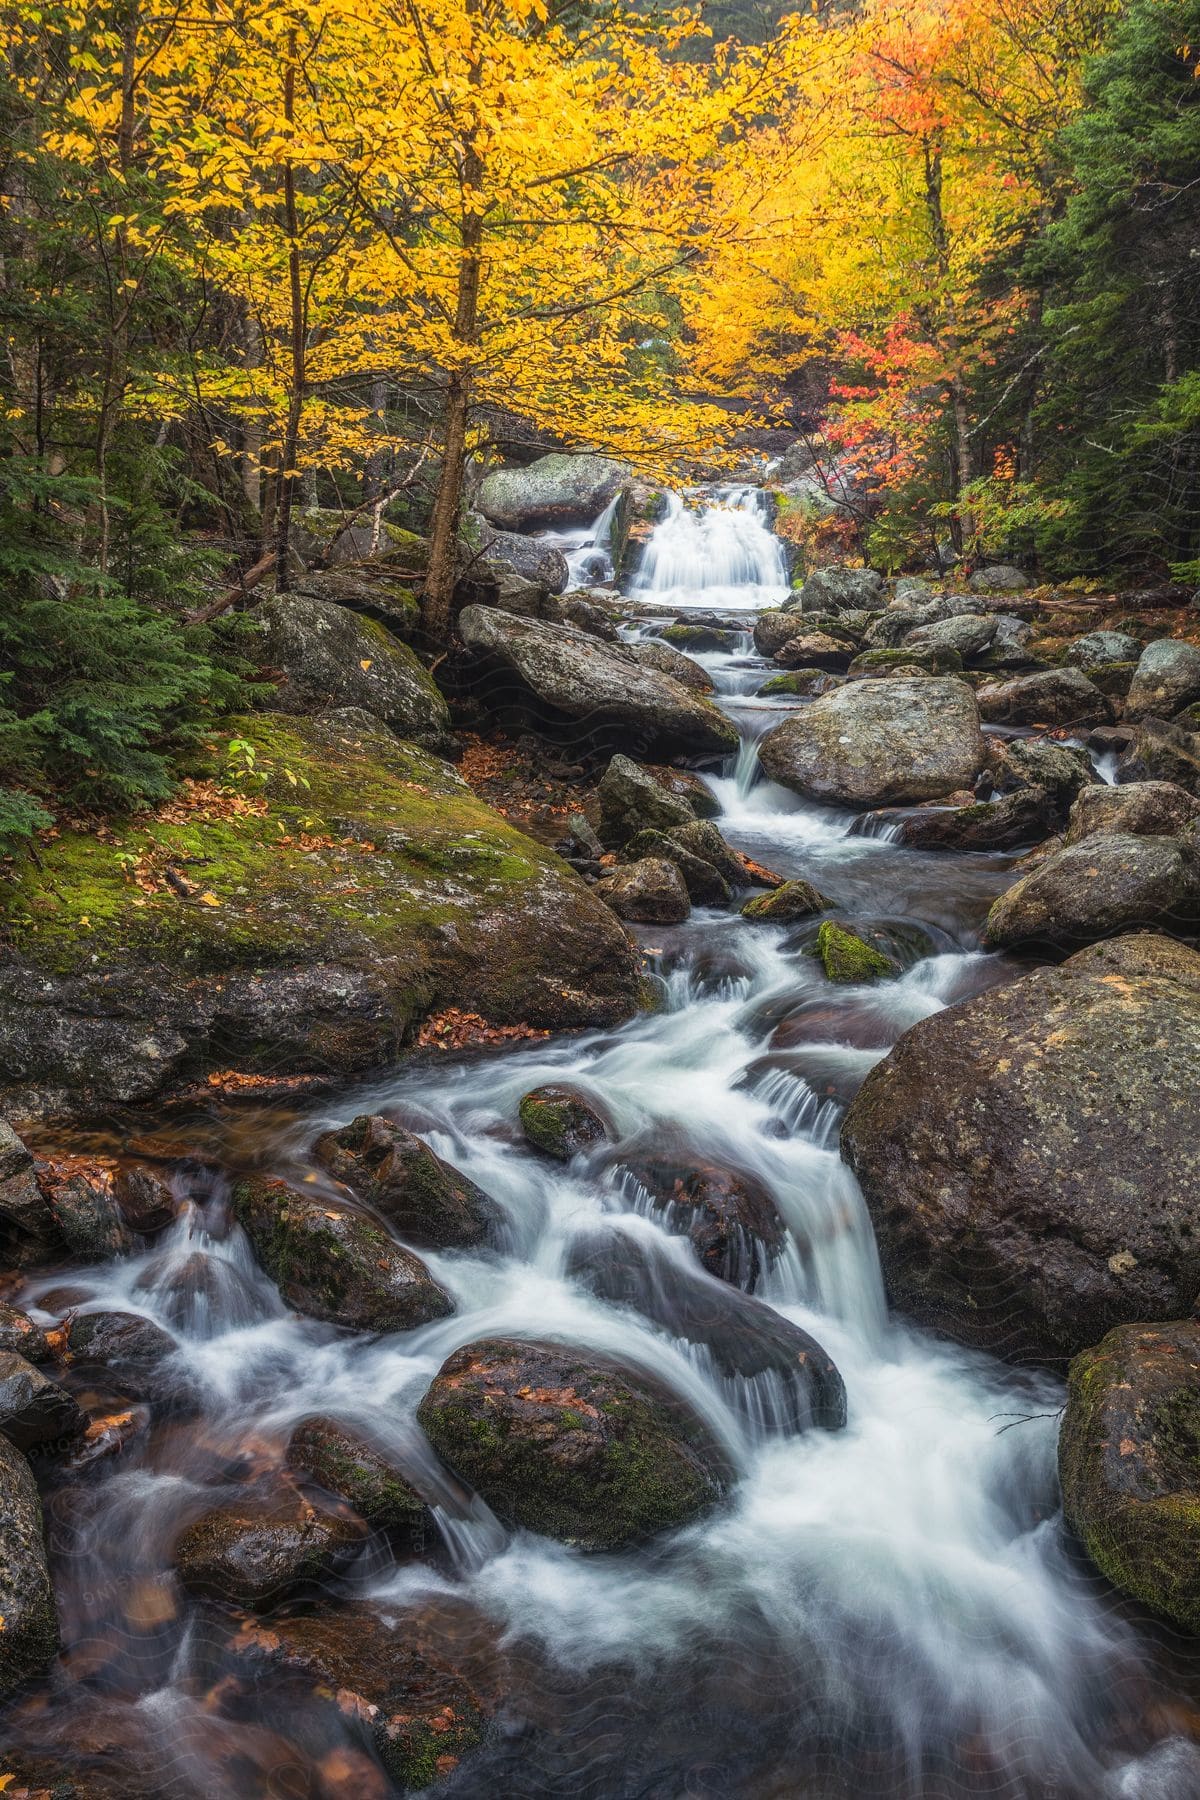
[(207, 899), (365, 663)]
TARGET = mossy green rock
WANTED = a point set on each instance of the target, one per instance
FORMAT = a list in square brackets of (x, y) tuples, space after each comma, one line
[(1129, 1463), (328, 656), (560, 1442), (421, 1715), (334, 1263), (29, 1639), (352, 885), (799, 684), (793, 900), (345, 1463), (560, 1122), (934, 659), (846, 957)]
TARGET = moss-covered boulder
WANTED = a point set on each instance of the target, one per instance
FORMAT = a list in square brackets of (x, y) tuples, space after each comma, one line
[(1129, 1463), (1138, 809), (335, 1263), (29, 1638), (373, 588), (1047, 697), (791, 900), (553, 491), (1030, 1185), (687, 634), (846, 957), (563, 1443), (300, 914), (1111, 882), (420, 1714), (798, 684), (327, 656), (423, 1198), (561, 1121), (342, 1460), (263, 1551), (934, 659), (83, 1204), (1061, 769), (1010, 823)]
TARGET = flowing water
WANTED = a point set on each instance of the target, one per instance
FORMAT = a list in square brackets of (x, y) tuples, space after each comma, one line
[(891, 1610)]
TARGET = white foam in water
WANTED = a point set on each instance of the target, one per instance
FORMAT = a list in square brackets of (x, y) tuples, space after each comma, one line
[(721, 554), (902, 1581)]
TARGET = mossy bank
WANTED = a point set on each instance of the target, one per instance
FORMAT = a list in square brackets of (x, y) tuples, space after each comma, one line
[(312, 895)]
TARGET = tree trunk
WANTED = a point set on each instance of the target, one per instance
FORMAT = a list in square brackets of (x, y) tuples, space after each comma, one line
[(291, 433), (964, 469)]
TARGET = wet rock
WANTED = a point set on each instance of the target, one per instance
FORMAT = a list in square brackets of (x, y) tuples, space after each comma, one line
[(1160, 751), (260, 1552), (83, 1203), (27, 1228), (420, 1715), (1018, 819), (879, 743), (332, 657), (772, 630), (555, 490), (654, 654), (1010, 647), (145, 1197), (564, 682), (1060, 770), (687, 634), (967, 634), (1129, 1463), (730, 1217), (799, 684), (1047, 697), (685, 784), (889, 629), (814, 650), (1101, 647), (1028, 1187), (558, 1441), (632, 800), (339, 1459), (1000, 576), (649, 892), (29, 1640), (574, 609), (126, 1351), (19, 1334), (705, 885), (794, 900), (561, 1121), (837, 589), (336, 1264), (911, 658), (702, 838), (314, 964), (1111, 882), (1167, 678), (420, 1196), (1139, 809), (33, 1409), (745, 1339), (1114, 680), (530, 557), (845, 956)]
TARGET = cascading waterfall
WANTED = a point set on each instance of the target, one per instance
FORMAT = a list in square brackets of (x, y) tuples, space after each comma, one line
[(723, 553), (588, 549), (888, 1610)]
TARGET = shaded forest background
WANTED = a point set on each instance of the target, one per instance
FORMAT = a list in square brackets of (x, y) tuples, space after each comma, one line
[(263, 266)]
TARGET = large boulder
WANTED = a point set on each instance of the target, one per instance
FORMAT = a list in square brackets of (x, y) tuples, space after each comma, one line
[(1161, 751), (27, 1227), (553, 491), (998, 577), (1047, 697), (530, 557), (261, 1552), (1060, 769), (419, 1714), (1097, 647), (654, 654), (1166, 679), (1110, 882), (1138, 809), (596, 695), (969, 634), (835, 589), (561, 1442), (1025, 817), (332, 657), (315, 918), (1129, 1463), (651, 891), (376, 588), (772, 630), (879, 743), (705, 885), (420, 1196), (633, 800), (814, 650), (29, 1638), (561, 1122), (1028, 1186), (334, 1263)]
